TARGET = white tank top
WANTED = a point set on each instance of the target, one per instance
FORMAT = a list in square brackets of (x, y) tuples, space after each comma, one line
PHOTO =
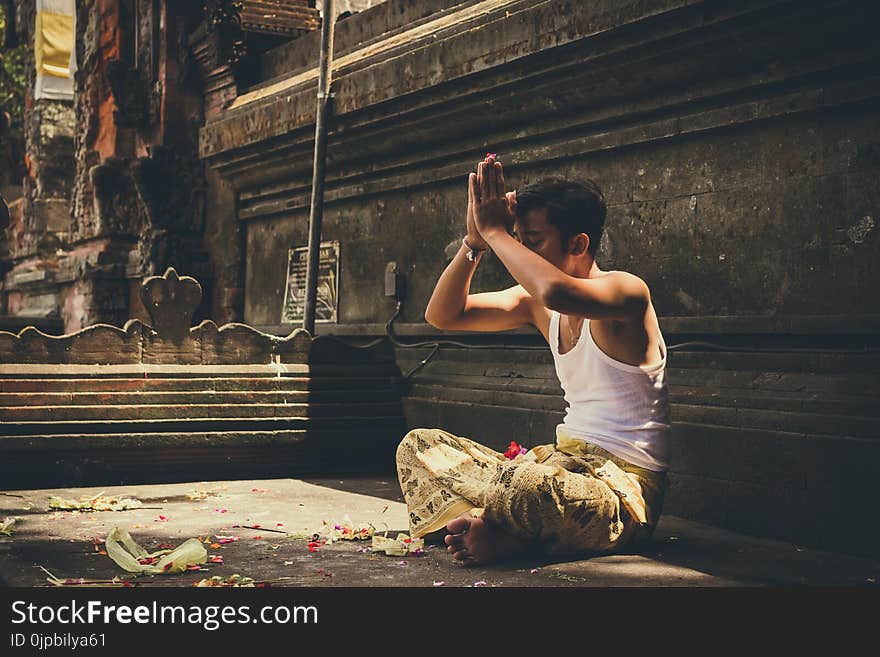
[(620, 407)]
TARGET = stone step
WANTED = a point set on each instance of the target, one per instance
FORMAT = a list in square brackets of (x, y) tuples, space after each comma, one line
[(121, 428), (507, 372), (207, 397), (865, 384), (490, 397), (101, 412), (807, 361), (745, 418), (193, 370), (538, 386), (162, 384), (541, 356), (710, 399), (773, 400), (502, 368), (787, 459), (99, 460), (799, 422), (17, 446)]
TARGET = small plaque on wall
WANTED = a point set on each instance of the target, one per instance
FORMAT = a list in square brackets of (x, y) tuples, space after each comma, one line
[(326, 300)]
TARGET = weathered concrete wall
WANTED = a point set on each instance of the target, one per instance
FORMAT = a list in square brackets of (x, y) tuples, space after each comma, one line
[(739, 159), (224, 239), (737, 162), (379, 22)]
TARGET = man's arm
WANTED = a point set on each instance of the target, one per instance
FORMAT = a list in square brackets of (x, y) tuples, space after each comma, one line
[(615, 296), (451, 307), (619, 295)]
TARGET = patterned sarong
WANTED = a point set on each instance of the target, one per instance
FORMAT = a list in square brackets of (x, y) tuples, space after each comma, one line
[(568, 498)]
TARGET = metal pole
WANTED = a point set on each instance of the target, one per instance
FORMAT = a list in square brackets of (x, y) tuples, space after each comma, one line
[(316, 211)]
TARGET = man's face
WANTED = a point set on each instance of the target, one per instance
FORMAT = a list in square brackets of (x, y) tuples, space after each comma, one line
[(536, 233)]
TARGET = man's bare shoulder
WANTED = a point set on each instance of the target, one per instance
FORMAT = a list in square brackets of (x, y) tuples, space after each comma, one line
[(538, 313), (627, 278), (522, 296), (630, 284)]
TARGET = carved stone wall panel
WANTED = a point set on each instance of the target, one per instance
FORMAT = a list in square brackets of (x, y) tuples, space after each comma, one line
[(295, 348), (169, 339), (98, 344)]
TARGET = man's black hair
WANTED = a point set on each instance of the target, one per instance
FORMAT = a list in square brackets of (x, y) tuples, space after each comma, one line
[(573, 206)]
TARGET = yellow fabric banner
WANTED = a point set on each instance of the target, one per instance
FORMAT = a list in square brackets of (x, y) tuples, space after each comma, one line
[(54, 38), (53, 42)]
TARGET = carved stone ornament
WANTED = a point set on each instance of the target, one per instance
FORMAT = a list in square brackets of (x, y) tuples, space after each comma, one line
[(171, 301)]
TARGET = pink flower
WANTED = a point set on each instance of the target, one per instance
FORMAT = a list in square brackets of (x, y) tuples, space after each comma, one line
[(514, 450)]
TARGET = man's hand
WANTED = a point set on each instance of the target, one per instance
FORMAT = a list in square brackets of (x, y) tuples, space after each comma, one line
[(493, 209), (473, 235)]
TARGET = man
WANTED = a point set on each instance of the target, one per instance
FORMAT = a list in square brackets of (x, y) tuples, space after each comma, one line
[(600, 487)]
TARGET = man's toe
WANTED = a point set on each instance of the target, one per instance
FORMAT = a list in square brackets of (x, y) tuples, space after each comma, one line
[(458, 525), (462, 555)]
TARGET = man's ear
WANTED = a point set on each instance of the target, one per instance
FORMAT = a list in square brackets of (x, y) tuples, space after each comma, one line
[(578, 244), (511, 201)]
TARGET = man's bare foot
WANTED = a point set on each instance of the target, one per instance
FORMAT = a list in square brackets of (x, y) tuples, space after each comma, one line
[(474, 541)]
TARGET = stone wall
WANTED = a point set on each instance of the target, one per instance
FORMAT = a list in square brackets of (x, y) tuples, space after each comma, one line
[(43, 220), (140, 186), (116, 189), (737, 144), (737, 161)]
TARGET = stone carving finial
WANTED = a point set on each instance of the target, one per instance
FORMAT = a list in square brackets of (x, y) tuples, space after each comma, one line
[(171, 301)]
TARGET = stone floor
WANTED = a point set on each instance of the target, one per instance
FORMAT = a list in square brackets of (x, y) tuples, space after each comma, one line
[(683, 553)]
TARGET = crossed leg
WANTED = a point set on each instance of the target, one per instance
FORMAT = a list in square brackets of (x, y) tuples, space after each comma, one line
[(487, 508)]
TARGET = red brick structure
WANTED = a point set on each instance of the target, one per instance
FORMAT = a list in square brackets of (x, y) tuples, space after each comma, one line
[(114, 189)]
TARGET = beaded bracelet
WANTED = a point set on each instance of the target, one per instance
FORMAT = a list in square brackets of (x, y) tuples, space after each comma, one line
[(472, 251)]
